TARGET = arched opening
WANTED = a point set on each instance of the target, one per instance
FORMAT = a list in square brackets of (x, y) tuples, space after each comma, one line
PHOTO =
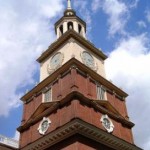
[(70, 25), (80, 29), (61, 30)]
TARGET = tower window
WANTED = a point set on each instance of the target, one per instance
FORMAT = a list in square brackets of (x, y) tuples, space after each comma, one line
[(70, 25), (47, 96), (61, 29), (80, 29), (101, 92)]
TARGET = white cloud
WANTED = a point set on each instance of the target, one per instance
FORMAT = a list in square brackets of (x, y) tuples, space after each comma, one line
[(147, 145), (96, 4), (141, 24), (118, 12), (82, 7), (118, 15), (133, 4), (24, 33), (128, 67)]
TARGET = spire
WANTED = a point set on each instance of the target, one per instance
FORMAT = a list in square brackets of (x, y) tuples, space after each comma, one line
[(69, 4)]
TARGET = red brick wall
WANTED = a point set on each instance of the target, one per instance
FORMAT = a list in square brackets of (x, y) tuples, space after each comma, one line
[(63, 116), (30, 107), (60, 88), (63, 86), (55, 91), (92, 116), (75, 109), (117, 103)]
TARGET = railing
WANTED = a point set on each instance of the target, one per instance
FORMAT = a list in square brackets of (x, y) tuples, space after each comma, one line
[(9, 141)]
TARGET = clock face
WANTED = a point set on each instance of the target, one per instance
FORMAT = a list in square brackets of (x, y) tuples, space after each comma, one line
[(88, 59), (56, 60)]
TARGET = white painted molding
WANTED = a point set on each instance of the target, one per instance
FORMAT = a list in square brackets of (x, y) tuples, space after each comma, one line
[(44, 125), (107, 123)]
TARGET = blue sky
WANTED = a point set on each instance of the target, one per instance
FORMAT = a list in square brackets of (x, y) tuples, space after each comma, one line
[(121, 28)]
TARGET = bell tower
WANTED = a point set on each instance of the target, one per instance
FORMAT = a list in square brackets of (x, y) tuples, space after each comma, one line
[(74, 107), (70, 22)]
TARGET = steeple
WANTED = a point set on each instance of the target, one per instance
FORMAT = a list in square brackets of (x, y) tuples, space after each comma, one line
[(69, 4), (70, 21)]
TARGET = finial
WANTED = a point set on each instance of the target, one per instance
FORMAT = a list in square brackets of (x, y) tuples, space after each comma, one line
[(69, 4)]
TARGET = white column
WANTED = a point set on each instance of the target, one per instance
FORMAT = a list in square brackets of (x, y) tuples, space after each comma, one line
[(58, 33), (65, 26), (83, 32), (75, 24)]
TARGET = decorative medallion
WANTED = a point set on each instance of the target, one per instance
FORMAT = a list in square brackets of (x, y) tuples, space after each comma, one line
[(107, 123), (55, 62), (88, 60), (44, 125)]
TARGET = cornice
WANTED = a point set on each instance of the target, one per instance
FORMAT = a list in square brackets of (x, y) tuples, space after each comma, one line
[(67, 66), (87, 130), (64, 38)]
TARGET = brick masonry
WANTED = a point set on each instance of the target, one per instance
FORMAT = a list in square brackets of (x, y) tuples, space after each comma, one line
[(74, 80)]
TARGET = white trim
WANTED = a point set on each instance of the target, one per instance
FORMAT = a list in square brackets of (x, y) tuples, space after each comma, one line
[(109, 127), (40, 129), (99, 91), (44, 93)]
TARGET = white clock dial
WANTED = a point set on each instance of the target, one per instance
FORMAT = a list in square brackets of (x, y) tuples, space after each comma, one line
[(88, 59), (56, 61)]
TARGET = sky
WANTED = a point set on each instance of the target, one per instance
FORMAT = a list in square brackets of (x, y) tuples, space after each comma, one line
[(121, 28)]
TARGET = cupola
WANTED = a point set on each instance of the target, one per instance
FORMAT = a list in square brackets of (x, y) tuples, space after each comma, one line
[(70, 21)]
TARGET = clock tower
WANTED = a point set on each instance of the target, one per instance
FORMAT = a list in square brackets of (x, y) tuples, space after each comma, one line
[(74, 107)]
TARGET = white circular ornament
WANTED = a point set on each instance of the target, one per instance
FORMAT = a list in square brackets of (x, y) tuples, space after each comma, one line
[(44, 125), (107, 123)]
